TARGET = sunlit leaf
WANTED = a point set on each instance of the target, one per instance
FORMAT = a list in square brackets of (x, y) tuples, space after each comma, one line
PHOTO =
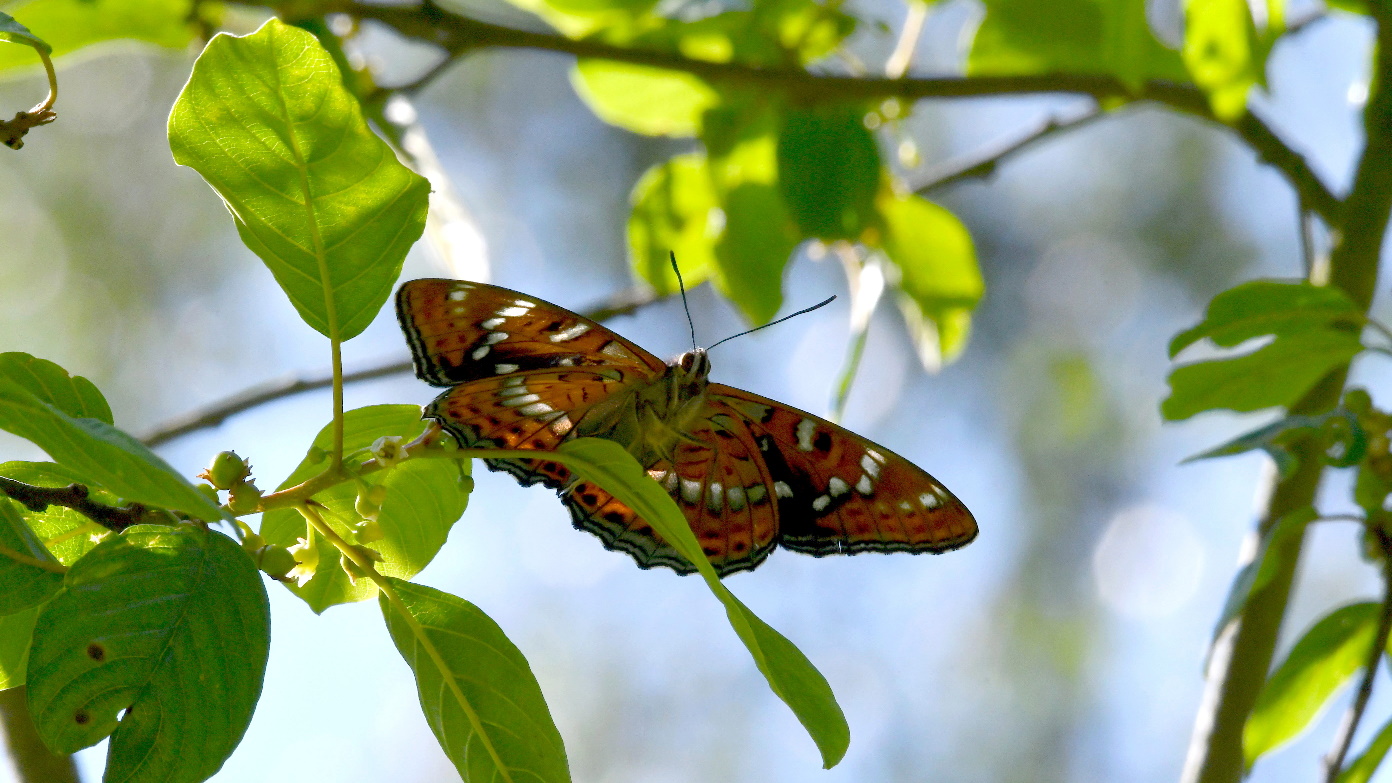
[(674, 212), (477, 691), (759, 238), (1270, 307), (1361, 769), (314, 192), (424, 499), (11, 31), (1324, 659), (1224, 52), (789, 673), (933, 262), (1110, 37), (23, 585), (1274, 375), (70, 25), (73, 395), (170, 625), (63, 532), (650, 101), (16, 631), (100, 453)]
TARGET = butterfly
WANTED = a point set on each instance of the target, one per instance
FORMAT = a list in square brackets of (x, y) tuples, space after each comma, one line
[(749, 473)]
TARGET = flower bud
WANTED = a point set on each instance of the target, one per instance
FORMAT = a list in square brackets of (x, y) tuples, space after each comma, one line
[(388, 451), (368, 531), (307, 559)]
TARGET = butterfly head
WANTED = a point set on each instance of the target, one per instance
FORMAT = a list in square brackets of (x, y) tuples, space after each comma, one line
[(691, 371)]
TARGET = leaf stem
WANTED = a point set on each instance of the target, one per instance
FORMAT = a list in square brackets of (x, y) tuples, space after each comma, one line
[(417, 630), (19, 557)]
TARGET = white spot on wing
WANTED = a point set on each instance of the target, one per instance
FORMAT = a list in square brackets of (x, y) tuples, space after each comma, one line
[(480, 352), (518, 381), (734, 498), (561, 425), (492, 323), (929, 500), (494, 338), (837, 487), (757, 493), (504, 369), (870, 466), (864, 486), (513, 312), (457, 295), (536, 409), (612, 348), (782, 490), (875, 455), (715, 497), (805, 430), (821, 503), (569, 334), (690, 490), (517, 401), (512, 391)]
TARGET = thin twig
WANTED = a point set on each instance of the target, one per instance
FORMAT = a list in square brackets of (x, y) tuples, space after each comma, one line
[(983, 163), (75, 497), (212, 415), (1334, 762)]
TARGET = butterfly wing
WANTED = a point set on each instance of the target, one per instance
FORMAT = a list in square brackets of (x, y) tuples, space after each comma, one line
[(461, 331), (846, 493)]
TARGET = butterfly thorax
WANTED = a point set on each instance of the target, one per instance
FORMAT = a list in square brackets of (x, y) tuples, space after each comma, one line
[(672, 407)]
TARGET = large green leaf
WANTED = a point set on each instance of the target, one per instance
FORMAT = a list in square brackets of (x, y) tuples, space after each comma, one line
[(1108, 37), (476, 689), (934, 265), (169, 624), (791, 676), (1324, 659), (828, 170), (424, 499), (23, 585), (321, 199), (100, 453), (754, 250), (69, 25), (675, 212), (1274, 375), (65, 533), (1276, 307), (73, 395), (651, 101)]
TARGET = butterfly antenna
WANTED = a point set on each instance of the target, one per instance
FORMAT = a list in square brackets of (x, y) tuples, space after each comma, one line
[(682, 286), (820, 304)]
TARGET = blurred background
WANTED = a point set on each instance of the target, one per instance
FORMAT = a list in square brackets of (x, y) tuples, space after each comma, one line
[(1065, 644)]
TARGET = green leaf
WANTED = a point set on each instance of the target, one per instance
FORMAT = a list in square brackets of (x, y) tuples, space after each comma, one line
[(1273, 438), (100, 453), (12, 31), (1261, 307), (170, 624), (753, 251), (1352, 7), (1110, 37), (1269, 561), (674, 211), (1224, 52), (934, 264), (23, 585), (70, 25), (16, 631), (791, 676), (829, 170), (1277, 374), (1361, 769), (325, 203), (73, 395), (1324, 659), (424, 499), (477, 691), (650, 101), (64, 533)]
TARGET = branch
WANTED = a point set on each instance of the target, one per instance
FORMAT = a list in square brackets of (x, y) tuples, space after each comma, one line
[(1242, 656), (983, 163), (1334, 762), (75, 497), (212, 415), (460, 35)]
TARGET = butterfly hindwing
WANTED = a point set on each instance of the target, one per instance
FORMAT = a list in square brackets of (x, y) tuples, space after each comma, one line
[(849, 495), (461, 331)]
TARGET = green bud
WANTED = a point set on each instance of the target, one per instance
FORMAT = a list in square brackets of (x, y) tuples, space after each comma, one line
[(276, 561), (210, 492), (253, 542), (1357, 401), (244, 498), (227, 470)]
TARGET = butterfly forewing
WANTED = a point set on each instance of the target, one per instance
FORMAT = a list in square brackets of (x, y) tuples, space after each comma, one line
[(461, 331)]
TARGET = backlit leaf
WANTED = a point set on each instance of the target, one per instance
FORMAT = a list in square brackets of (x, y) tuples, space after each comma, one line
[(73, 395)]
